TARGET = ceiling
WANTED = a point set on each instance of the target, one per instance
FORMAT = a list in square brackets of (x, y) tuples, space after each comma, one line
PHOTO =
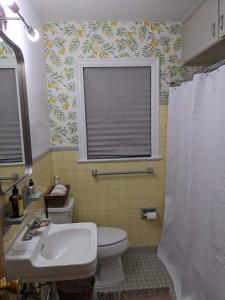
[(155, 10)]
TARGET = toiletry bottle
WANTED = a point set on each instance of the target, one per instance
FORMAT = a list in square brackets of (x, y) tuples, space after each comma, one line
[(31, 187), (56, 180), (16, 208)]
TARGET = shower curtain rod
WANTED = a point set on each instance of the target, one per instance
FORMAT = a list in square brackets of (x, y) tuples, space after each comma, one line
[(209, 70)]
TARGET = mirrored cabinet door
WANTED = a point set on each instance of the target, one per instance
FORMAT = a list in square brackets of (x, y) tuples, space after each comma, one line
[(15, 147)]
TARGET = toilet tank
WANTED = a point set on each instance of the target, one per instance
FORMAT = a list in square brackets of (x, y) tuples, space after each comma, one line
[(62, 215)]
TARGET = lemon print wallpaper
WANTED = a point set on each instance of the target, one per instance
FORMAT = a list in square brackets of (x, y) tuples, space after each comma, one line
[(6, 52), (66, 41)]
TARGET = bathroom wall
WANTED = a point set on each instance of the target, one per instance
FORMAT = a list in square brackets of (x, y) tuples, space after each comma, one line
[(38, 106), (116, 200), (66, 41), (107, 201), (112, 201), (43, 177), (35, 75)]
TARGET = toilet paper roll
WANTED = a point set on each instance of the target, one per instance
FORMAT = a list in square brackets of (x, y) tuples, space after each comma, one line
[(150, 215)]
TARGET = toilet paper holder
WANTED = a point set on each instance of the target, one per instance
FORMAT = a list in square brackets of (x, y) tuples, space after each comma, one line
[(149, 213)]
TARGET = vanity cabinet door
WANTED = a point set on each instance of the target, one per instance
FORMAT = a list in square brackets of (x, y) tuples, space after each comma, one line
[(222, 19), (201, 29)]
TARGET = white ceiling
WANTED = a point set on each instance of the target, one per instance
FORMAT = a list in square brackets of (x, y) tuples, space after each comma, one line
[(155, 10)]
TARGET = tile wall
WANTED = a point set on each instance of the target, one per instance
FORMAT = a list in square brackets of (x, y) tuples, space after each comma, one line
[(116, 200), (107, 201)]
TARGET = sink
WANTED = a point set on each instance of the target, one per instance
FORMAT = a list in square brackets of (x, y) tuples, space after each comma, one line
[(59, 245), (57, 252)]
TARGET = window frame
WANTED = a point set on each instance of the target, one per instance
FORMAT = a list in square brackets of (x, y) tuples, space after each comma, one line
[(118, 62)]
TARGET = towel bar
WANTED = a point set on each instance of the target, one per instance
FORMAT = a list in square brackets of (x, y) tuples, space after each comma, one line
[(13, 177), (146, 171)]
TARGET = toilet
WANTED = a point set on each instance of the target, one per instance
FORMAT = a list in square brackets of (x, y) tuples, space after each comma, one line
[(112, 243), (62, 215)]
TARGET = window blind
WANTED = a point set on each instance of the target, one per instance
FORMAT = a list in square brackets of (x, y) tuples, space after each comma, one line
[(10, 137), (118, 111)]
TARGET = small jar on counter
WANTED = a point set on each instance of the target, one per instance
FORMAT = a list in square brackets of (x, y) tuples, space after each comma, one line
[(56, 180)]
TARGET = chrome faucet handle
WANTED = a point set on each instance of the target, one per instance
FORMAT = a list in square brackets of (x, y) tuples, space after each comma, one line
[(33, 228), (43, 223), (41, 218)]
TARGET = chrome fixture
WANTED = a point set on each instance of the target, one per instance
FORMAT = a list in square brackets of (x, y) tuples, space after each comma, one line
[(13, 177), (3, 22), (34, 226), (33, 34), (146, 171)]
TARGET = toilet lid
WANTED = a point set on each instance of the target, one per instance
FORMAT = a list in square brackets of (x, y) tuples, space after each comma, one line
[(109, 236)]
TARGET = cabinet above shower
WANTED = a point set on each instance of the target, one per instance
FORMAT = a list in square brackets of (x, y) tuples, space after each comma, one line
[(204, 33)]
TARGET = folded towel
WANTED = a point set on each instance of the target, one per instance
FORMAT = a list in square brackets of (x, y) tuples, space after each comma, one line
[(61, 186), (59, 190), (57, 193)]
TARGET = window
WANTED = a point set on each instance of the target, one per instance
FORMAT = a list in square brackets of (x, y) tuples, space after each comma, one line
[(11, 149), (118, 109)]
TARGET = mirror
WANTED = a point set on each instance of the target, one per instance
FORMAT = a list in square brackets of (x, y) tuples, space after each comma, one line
[(15, 144)]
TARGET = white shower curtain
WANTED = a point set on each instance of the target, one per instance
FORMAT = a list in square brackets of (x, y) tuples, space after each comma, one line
[(192, 245)]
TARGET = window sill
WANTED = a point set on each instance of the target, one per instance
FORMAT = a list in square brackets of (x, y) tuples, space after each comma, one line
[(12, 164), (119, 159)]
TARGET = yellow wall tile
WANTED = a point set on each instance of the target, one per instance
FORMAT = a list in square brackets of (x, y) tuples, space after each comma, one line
[(116, 200)]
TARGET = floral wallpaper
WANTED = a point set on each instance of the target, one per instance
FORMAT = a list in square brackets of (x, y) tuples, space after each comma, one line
[(66, 41), (6, 52)]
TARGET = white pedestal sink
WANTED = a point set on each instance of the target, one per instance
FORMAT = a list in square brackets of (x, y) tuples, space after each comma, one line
[(56, 252)]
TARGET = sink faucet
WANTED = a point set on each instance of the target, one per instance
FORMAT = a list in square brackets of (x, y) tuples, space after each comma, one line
[(34, 226)]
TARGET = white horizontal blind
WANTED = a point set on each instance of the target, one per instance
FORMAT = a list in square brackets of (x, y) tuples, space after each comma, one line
[(118, 111), (10, 137)]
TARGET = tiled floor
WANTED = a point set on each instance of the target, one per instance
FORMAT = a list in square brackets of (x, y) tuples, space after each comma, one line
[(144, 270)]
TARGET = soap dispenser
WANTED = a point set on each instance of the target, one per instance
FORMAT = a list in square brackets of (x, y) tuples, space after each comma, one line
[(16, 207), (31, 187)]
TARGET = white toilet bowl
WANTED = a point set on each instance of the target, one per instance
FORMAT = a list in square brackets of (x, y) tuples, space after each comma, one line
[(112, 242)]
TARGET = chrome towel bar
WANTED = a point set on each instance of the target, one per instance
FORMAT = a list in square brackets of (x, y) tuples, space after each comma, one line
[(146, 171), (13, 177)]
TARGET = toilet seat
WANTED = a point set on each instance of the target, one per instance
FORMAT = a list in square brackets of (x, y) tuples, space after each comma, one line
[(108, 236)]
